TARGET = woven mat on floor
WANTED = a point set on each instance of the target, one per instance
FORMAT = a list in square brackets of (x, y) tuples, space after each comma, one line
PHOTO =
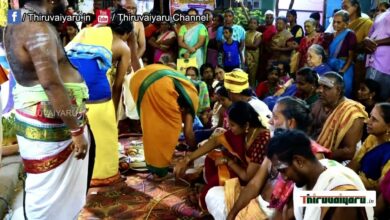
[(138, 197)]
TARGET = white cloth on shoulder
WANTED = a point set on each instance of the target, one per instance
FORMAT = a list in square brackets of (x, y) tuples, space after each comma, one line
[(335, 175)]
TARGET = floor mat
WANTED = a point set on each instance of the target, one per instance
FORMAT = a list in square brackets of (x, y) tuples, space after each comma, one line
[(138, 197)]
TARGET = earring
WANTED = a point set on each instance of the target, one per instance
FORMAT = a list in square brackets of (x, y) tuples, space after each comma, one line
[(246, 130), (388, 135)]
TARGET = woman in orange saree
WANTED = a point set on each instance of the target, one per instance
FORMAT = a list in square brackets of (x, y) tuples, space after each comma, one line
[(165, 99)]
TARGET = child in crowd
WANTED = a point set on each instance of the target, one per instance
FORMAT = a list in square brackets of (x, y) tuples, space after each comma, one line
[(71, 31), (284, 71), (270, 86), (231, 51), (225, 102)]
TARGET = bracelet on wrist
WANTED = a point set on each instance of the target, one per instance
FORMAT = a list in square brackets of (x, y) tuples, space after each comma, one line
[(77, 132)]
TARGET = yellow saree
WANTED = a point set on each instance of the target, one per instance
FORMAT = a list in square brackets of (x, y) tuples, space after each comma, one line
[(251, 211), (361, 27), (252, 56), (104, 129)]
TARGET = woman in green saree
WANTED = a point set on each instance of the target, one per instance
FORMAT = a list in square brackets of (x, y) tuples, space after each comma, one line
[(193, 40)]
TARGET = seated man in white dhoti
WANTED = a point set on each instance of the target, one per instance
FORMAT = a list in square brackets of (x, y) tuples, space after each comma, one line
[(49, 99)]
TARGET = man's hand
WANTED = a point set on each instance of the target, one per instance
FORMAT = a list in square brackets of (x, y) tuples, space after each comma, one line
[(191, 50), (186, 56), (369, 45), (79, 146), (221, 161), (230, 216)]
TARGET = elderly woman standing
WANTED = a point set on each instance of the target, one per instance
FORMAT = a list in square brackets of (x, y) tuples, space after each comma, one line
[(341, 50), (361, 26), (252, 51), (193, 40), (312, 37), (280, 50), (164, 44)]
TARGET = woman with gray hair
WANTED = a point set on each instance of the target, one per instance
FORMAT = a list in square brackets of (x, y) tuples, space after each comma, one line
[(341, 50), (317, 59), (312, 37)]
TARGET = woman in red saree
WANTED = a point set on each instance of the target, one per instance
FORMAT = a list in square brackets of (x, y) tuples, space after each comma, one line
[(164, 45), (244, 148)]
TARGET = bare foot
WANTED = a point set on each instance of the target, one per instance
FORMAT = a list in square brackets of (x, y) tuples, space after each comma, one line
[(156, 178)]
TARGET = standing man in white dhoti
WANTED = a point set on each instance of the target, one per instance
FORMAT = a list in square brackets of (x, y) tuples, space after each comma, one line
[(49, 99), (137, 45), (139, 32)]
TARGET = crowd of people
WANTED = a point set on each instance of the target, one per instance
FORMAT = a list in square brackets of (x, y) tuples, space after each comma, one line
[(270, 109)]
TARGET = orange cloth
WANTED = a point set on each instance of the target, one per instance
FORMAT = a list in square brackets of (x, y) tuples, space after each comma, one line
[(251, 211), (361, 27), (160, 115), (339, 122)]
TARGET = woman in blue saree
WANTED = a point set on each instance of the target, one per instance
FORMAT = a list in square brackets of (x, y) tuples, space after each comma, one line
[(341, 50), (193, 40), (372, 162)]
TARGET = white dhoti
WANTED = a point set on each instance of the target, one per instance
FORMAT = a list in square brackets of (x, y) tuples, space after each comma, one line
[(128, 100), (217, 205), (56, 183), (130, 106), (215, 202)]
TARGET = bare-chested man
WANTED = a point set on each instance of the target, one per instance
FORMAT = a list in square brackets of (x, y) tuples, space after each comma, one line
[(50, 117), (139, 32), (136, 43)]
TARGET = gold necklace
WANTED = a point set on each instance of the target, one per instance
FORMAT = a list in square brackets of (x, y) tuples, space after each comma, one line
[(251, 138)]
